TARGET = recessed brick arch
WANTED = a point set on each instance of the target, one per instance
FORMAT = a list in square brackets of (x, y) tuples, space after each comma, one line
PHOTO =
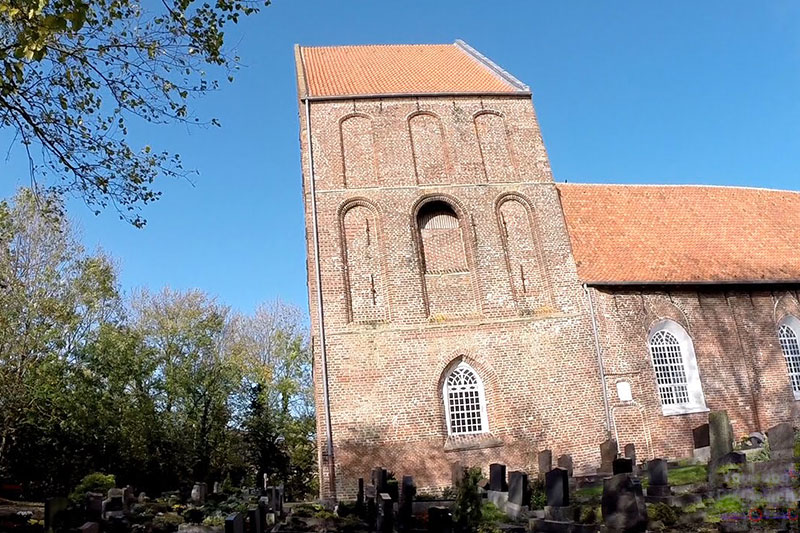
[(497, 156), (429, 148), (358, 154)]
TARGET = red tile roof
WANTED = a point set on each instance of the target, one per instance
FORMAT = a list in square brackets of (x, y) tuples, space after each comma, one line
[(682, 234), (341, 71)]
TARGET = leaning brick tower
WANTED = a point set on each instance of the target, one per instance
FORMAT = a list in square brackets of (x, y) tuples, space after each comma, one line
[(448, 320)]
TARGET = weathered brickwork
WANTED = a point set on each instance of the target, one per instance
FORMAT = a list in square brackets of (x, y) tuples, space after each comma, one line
[(499, 289), (735, 335)]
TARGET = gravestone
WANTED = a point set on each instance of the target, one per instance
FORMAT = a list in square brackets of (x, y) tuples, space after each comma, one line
[(622, 465), (142, 498), (54, 513), (385, 523), (234, 523), (756, 439), (518, 492), (720, 435), (380, 478), (128, 497), (623, 505), (658, 489), (700, 436), (94, 505), (630, 452), (457, 473), (114, 505), (199, 493), (217, 487), (256, 520), (608, 452), (565, 462), (89, 527), (545, 459), (497, 477), (556, 487), (360, 497), (781, 441), (371, 496), (409, 490), (440, 520)]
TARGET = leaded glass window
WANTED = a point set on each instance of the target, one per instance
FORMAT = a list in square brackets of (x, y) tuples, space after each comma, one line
[(670, 371), (464, 402), (791, 351)]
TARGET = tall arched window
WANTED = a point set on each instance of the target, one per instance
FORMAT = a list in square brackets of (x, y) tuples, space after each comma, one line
[(675, 366), (441, 238), (464, 401), (787, 333)]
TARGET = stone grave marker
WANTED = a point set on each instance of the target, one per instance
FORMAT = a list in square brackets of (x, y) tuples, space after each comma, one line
[(255, 520), (630, 452), (658, 489), (54, 513), (545, 460), (385, 522), (565, 462), (440, 520), (371, 496), (556, 486), (409, 491), (622, 465), (623, 505), (781, 441), (360, 497), (608, 452), (720, 435), (380, 479), (199, 493), (94, 505), (497, 477), (234, 523), (518, 494), (113, 505), (457, 471), (700, 436)]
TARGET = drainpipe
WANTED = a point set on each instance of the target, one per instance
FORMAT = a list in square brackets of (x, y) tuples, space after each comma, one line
[(599, 358), (320, 316)]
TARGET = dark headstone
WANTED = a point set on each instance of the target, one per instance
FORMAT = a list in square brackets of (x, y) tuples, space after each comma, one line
[(545, 459), (700, 436), (371, 496), (556, 487), (379, 478), (94, 505), (657, 472), (565, 462), (518, 488), (622, 465), (254, 518), (385, 523), (781, 441), (608, 452), (720, 435), (630, 452), (360, 497), (234, 523), (113, 506), (497, 477), (55, 513), (756, 439), (409, 490), (731, 458), (623, 505), (440, 520), (393, 489)]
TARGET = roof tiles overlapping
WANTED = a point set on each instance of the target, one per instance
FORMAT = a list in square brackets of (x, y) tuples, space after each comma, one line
[(418, 69), (682, 234)]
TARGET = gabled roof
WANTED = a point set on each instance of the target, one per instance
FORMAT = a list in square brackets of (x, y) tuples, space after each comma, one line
[(631, 234), (326, 72)]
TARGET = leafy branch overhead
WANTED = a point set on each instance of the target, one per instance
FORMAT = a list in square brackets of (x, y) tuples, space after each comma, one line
[(73, 72)]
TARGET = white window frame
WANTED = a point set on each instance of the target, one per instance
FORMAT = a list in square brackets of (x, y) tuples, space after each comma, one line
[(694, 387), (793, 324), (481, 399)]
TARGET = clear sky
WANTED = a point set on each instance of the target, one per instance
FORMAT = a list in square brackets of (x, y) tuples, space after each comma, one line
[(626, 92)]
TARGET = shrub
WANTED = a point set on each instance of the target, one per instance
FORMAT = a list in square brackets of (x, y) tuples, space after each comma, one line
[(216, 520), (167, 522), (663, 513), (591, 514), (538, 495), (490, 514), (467, 512), (94, 482)]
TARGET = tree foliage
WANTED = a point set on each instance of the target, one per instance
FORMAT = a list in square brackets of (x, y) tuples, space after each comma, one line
[(165, 389), (74, 72)]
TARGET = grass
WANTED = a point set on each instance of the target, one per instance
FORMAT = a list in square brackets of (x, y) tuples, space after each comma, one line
[(686, 475), (591, 492)]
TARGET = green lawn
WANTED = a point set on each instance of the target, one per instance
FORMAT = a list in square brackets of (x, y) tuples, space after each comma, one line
[(686, 475)]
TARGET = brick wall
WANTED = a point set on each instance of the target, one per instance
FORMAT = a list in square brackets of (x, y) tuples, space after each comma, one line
[(513, 309)]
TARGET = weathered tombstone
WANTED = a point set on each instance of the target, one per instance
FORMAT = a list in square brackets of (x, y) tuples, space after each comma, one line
[(360, 497), (730, 458), (623, 505), (622, 465), (54, 513), (385, 522), (90, 527), (518, 488), (700, 436), (216, 487), (114, 505), (94, 505), (128, 497), (565, 462), (142, 498), (440, 520), (608, 452), (781, 441), (255, 519), (380, 479), (199, 493), (497, 477), (658, 489), (630, 452), (756, 439), (409, 490), (371, 495), (457, 471), (234, 523), (556, 487), (545, 460), (720, 435)]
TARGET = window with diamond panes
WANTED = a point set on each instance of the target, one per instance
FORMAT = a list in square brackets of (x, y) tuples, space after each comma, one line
[(791, 351), (464, 402), (670, 370)]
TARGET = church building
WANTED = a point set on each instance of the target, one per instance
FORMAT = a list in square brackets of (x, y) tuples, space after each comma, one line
[(467, 309)]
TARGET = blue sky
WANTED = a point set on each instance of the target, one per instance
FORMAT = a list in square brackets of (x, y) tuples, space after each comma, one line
[(626, 92)]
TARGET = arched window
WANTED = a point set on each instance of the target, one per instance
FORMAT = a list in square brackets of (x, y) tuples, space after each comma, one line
[(441, 238), (675, 366), (464, 401), (787, 333)]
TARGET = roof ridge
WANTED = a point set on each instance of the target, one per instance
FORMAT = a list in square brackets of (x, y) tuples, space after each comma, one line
[(491, 65), (677, 185)]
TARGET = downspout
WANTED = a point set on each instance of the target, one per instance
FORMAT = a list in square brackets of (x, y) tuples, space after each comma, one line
[(320, 315), (599, 359)]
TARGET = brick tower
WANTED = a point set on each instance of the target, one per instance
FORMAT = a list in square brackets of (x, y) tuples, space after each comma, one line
[(453, 325)]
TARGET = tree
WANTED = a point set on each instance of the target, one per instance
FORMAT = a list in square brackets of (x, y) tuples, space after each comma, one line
[(73, 72)]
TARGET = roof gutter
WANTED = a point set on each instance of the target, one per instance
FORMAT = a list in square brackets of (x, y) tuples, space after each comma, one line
[(323, 98), (695, 283), (320, 314)]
